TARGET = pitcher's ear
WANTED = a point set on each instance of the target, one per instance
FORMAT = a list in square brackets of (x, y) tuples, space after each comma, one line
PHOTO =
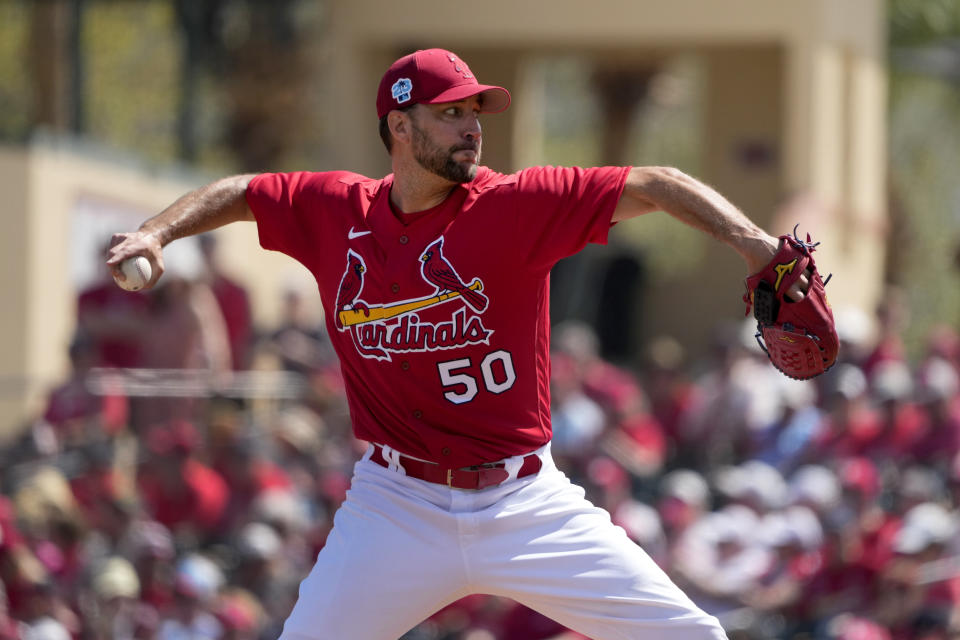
[(399, 123)]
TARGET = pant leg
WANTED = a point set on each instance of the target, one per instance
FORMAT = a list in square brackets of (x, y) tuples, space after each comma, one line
[(550, 549), (391, 560)]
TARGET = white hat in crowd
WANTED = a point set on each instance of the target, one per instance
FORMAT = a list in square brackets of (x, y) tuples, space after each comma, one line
[(891, 381), (847, 380), (199, 577), (686, 485), (754, 482), (815, 485), (938, 380), (924, 525), (258, 540), (116, 578)]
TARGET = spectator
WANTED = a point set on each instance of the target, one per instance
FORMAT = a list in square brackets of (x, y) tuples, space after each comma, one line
[(54, 531), (116, 612), (99, 486), (684, 498), (300, 345), (782, 442), (794, 538), (263, 570), (186, 327), (289, 515), (815, 487), (939, 398), (738, 397), (719, 560), (893, 317), (857, 331), (76, 411), (233, 301), (578, 421), (187, 331), (671, 393), (238, 456), (907, 593), (636, 440), (643, 526), (844, 583), (953, 481), (20, 570), (47, 617), (297, 439), (112, 319), (853, 627), (148, 545), (866, 527), (197, 582), (10, 628), (178, 490), (943, 343), (753, 484), (901, 422), (240, 614), (849, 419)]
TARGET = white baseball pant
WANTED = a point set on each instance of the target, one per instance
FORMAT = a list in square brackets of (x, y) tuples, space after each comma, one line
[(402, 549)]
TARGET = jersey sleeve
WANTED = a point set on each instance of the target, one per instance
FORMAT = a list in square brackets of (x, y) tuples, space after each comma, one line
[(289, 209), (561, 209)]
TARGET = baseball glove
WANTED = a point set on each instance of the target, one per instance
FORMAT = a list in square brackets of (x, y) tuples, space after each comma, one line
[(800, 338)]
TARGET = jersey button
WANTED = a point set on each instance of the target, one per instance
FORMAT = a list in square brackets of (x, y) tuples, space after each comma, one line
[(404, 239), (445, 451), (405, 365), (418, 414), (395, 288)]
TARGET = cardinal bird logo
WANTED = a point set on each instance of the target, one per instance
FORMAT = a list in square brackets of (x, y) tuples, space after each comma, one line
[(350, 286), (438, 271), (399, 326)]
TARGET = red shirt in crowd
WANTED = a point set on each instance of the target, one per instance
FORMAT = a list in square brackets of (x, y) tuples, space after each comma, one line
[(199, 500)]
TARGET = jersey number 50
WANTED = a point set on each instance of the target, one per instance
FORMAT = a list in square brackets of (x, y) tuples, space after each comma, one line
[(496, 371)]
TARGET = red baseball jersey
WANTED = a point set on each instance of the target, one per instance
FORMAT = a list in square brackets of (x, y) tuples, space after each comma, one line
[(440, 318)]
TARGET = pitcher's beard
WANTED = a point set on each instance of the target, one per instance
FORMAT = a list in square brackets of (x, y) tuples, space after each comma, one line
[(440, 161)]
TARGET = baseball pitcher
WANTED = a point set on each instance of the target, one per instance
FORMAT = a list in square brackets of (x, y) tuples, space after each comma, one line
[(434, 280)]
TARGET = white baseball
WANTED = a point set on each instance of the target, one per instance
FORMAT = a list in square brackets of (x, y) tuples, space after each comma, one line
[(137, 272)]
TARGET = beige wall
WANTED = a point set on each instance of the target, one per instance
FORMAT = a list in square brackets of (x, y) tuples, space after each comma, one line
[(606, 23), (14, 354)]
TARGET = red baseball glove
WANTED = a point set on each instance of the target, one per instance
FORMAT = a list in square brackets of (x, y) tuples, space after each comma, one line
[(800, 338)]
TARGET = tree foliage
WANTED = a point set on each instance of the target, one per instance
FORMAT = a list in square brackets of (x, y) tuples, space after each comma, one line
[(914, 22), (221, 84), (924, 151)]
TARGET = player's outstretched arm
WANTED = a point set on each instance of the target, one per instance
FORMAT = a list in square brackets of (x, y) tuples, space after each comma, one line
[(210, 207), (698, 205), (667, 189)]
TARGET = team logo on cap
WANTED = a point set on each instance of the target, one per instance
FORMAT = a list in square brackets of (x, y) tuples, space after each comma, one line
[(462, 70), (401, 90)]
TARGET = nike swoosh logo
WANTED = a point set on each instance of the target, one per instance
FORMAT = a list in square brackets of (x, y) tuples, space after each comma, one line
[(356, 234)]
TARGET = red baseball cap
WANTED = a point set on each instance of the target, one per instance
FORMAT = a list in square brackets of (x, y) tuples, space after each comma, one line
[(433, 76)]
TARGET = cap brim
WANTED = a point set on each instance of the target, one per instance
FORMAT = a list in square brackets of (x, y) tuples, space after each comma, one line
[(495, 99)]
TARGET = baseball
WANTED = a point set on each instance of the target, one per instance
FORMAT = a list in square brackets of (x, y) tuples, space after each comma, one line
[(137, 272)]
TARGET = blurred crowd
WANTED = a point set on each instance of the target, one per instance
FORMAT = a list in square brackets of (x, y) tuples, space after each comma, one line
[(135, 508)]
